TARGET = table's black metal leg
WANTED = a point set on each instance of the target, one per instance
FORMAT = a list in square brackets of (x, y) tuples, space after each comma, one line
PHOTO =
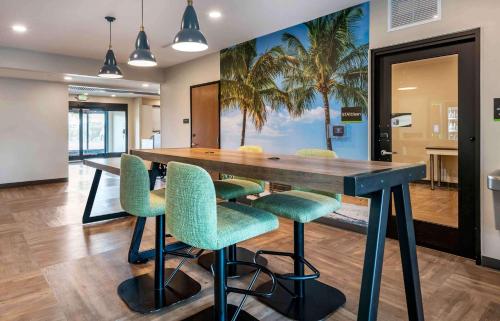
[(154, 172), (374, 255), (134, 256), (87, 218), (407, 244)]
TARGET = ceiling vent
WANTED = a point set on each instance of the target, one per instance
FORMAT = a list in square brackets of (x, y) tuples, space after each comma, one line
[(408, 13)]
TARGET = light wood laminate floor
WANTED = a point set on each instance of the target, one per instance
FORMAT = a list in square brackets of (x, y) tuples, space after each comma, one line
[(53, 268)]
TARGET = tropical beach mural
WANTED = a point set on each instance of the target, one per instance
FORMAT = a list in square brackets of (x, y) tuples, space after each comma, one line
[(285, 91)]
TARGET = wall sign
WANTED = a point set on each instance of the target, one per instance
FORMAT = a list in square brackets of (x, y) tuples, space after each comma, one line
[(496, 109), (351, 115)]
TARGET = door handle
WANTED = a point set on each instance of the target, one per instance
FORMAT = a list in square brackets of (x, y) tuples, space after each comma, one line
[(194, 144), (383, 152)]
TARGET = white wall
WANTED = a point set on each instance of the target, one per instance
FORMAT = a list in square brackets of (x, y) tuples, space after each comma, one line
[(33, 130), (175, 97), (150, 120), (460, 15)]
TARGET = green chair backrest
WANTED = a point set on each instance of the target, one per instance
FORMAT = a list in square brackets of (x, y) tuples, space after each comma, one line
[(322, 153), (192, 209), (134, 186), (250, 149), (316, 152)]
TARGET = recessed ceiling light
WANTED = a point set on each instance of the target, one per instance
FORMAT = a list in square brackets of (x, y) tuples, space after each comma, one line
[(19, 28), (113, 95), (215, 14), (145, 85), (68, 78)]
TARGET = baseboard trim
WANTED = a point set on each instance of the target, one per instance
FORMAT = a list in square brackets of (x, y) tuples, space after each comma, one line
[(38, 182), (490, 262)]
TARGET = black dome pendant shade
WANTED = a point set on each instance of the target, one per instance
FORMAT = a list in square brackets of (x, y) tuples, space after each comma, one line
[(190, 38), (110, 68), (142, 55)]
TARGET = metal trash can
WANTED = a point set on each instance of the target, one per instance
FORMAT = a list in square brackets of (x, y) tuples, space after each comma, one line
[(494, 180), (494, 185)]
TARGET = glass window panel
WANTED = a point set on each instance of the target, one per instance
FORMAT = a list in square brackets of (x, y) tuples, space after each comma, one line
[(74, 133), (95, 133), (425, 121)]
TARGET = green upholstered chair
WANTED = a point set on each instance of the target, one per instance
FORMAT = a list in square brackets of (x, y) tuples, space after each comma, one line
[(319, 153), (195, 218), (230, 189), (301, 296), (142, 293)]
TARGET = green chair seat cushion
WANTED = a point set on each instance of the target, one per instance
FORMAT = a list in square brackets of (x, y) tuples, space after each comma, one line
[(338, 197), (158, 202), (233, 188), (237, 223), (300, 206)]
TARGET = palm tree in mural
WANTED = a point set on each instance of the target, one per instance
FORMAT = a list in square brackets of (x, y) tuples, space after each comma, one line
[(248, 82), (331, 66)]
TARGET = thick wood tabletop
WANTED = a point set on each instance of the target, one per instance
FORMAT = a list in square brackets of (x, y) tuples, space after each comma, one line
[(110, 165), (345, 176)]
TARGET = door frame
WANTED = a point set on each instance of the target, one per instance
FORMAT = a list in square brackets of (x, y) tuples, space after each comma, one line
[(376, 95), (191, 108), (105, 107)]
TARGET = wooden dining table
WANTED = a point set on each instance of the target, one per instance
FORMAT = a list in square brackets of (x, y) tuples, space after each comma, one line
[(370, 179)]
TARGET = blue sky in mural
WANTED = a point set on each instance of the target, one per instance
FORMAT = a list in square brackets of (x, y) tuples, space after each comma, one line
[(285, 135)]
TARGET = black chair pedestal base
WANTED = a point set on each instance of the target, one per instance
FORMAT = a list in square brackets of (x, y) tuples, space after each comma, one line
[(236, 271), (140, 295), (208, 314), (320, 300)]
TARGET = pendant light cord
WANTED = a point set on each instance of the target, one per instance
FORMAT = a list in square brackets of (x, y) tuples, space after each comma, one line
[(110, 35), (142, 15)]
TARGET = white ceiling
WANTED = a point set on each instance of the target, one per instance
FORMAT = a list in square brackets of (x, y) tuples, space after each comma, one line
[(78, 28)]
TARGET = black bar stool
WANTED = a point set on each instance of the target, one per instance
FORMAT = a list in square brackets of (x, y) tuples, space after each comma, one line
[(194, 218), (300, 296), (231, 189), (142, 293)]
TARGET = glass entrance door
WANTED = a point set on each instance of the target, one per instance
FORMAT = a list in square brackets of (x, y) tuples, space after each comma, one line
[(97, 131)]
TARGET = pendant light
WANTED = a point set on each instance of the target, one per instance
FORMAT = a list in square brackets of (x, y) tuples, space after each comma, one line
[(110, 68), (190, 38), (142, 55)]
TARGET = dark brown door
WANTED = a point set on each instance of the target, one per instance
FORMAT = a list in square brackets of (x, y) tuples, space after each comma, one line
[(205, 115), (426, 109)]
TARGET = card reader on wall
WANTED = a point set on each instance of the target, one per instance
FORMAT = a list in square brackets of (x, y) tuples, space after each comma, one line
[(338, 131), (401, 120)]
